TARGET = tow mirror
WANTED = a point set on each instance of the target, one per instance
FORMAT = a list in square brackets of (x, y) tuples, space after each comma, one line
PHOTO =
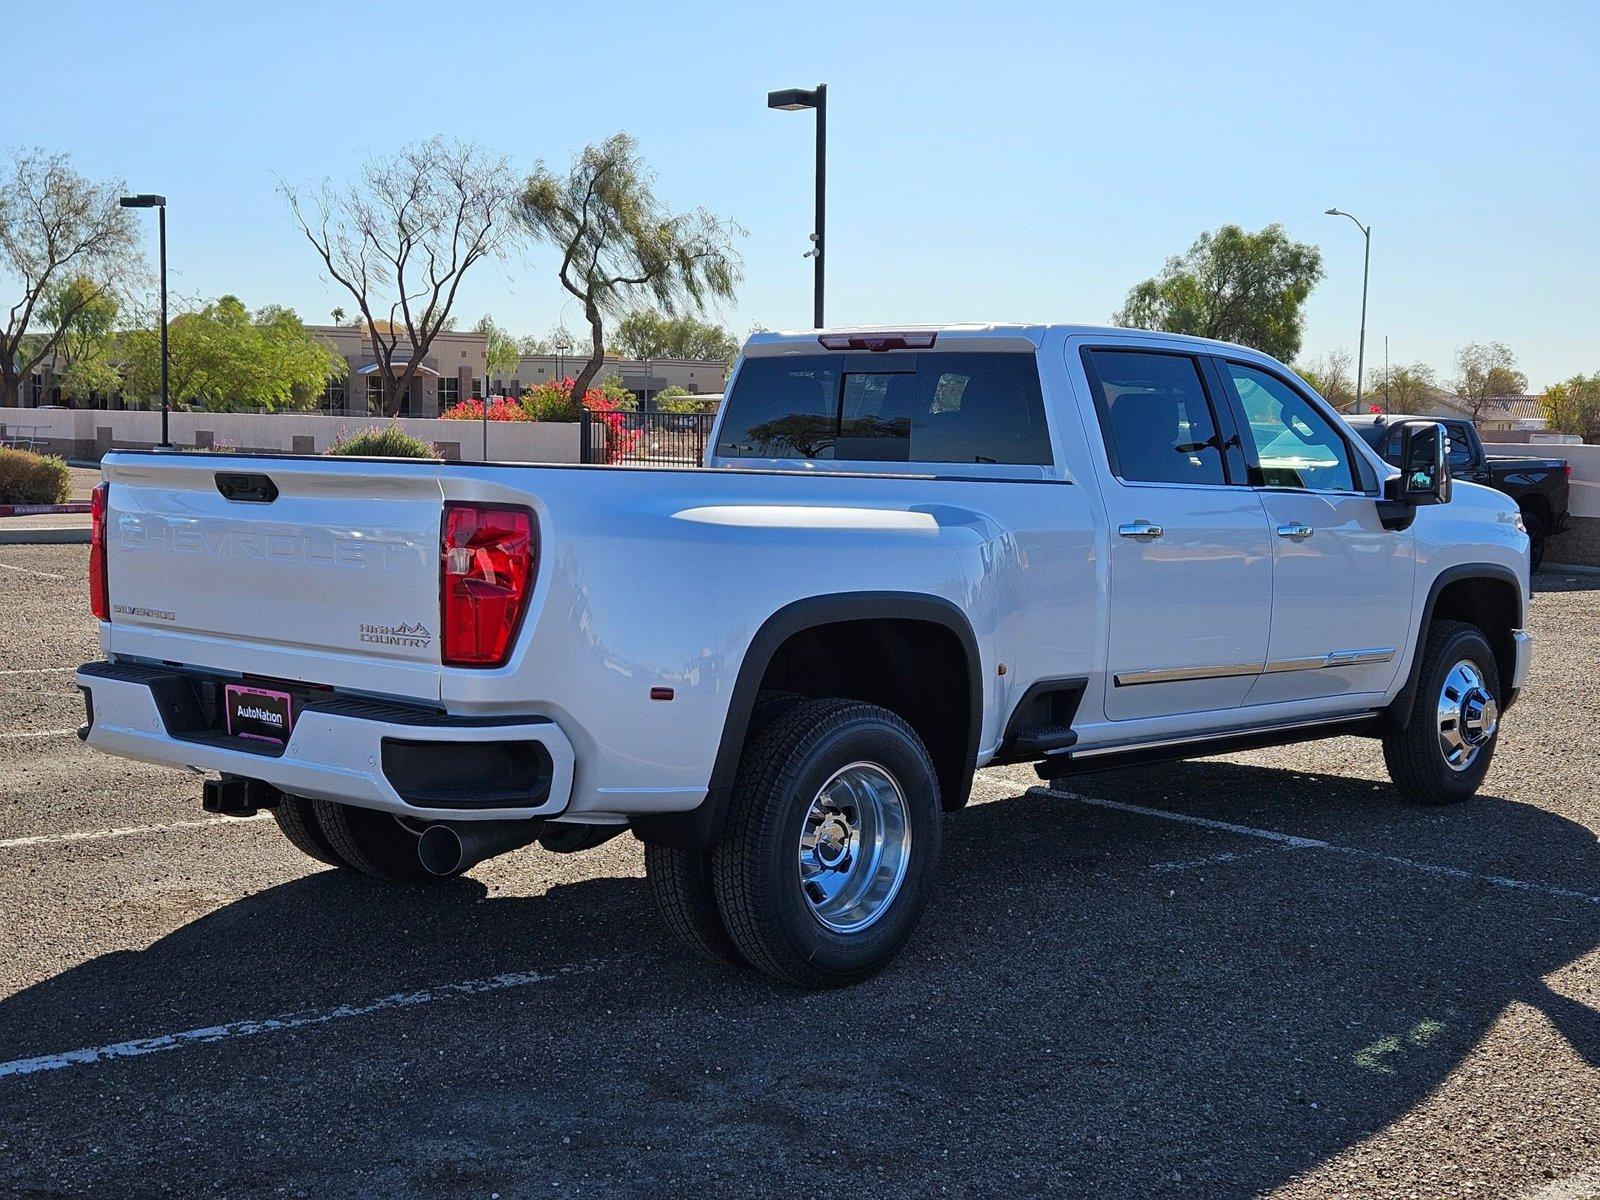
[(1424, 463), (1423, 456)]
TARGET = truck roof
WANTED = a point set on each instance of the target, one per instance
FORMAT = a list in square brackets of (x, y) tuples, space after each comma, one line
[(775, 342)]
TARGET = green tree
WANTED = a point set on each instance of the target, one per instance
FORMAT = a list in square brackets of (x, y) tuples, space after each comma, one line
[(675, 399), (1485, 370), (501, 350), (1249, 288), (86, 314), (618, 242), (1573, 406), (646, 333), (55, 227), (226, 359), (401, 239)]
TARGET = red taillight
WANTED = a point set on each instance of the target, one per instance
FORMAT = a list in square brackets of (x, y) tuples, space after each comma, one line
[(878, 342), (488, 559), (99, 593)]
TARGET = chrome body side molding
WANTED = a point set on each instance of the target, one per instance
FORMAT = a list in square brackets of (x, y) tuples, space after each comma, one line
[(1337, 658)]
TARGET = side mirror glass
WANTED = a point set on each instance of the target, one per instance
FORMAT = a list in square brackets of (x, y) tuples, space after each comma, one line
[(1424, 463)]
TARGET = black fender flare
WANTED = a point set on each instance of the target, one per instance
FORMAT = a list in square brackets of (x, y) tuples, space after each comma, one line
[(701, 827), (1398, 714)]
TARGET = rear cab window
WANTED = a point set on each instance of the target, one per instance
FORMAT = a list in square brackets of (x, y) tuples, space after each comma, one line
[(918, 406)]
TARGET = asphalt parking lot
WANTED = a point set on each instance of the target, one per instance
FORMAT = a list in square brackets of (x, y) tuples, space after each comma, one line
[(1257, 974)]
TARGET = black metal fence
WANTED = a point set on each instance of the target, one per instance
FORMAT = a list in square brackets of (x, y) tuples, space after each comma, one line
[(659, 438)]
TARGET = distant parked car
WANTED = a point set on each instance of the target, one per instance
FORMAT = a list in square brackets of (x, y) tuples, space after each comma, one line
[(1539, 485)]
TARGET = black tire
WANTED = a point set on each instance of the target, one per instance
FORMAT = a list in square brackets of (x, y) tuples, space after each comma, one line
[(298, 821), (681, 880), (756, 871), (1534, 524), (681, 885), (1413, 755), (372, 842)]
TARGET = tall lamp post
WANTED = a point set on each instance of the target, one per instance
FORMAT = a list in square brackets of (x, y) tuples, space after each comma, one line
[(1366, 264), (793, 100), (159, 203), (561, 343)]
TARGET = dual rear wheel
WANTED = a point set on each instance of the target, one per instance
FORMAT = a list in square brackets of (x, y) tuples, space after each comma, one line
[(355, 839), (829, 852)]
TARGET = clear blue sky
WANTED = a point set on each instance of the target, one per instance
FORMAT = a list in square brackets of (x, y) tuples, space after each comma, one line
[(987, 161)]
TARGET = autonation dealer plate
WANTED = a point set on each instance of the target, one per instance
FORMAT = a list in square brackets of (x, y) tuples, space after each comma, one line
[(259, 713)]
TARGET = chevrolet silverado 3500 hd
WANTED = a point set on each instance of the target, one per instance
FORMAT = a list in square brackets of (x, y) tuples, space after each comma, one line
[(909, 554)]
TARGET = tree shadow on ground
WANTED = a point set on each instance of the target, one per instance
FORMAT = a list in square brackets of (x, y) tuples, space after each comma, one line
[(1098, 1002)]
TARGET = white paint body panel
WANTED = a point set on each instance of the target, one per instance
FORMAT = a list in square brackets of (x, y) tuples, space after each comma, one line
[(662, 577)]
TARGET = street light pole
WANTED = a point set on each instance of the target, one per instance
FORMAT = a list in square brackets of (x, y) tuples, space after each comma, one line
[(1366, 266), (159, 203), (793, 100)]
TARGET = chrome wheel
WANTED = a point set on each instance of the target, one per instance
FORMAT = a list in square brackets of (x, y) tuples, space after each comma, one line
[(1468, 715), (854, 847)]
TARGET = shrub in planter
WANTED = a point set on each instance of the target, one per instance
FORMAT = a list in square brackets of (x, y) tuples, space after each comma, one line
[(28, 478), (382, 441), (501, 408)]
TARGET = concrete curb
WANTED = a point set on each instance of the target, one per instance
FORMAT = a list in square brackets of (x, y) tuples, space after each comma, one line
[(56, 536), (44, 510)]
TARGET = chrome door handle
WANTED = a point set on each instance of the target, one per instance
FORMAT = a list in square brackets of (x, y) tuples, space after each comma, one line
[(1141, 529), (1295, 530)]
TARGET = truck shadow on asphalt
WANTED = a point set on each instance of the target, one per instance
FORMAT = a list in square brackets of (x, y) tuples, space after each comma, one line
[(1097, 1001)]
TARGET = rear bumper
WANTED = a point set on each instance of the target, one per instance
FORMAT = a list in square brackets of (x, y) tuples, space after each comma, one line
[(396, 758)]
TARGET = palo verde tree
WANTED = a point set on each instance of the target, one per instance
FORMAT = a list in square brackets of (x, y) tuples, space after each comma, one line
[(501, 349), (1485, 371), (86, 314), (400, 240), (618, 243), (1404, 388), (1330, 375), (65, 243), (1249, 288), (645, 333)]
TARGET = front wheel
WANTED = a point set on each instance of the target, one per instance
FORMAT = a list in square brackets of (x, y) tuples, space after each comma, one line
[(832, 839), (1445, 749)]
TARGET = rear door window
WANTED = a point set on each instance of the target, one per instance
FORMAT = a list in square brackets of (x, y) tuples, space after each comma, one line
[(929, 406), (1158, 423)]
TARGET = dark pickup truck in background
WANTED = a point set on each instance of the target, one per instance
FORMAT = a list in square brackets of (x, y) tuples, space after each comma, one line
[(1538, 485)]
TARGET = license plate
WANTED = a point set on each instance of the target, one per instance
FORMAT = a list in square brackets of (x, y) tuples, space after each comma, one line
[(259, 713)]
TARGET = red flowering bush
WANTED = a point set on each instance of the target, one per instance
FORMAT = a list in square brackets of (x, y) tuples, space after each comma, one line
[(552, 401), (501, 408)]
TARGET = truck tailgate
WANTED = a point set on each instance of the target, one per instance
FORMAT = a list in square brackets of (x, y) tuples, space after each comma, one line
[(319, 571)]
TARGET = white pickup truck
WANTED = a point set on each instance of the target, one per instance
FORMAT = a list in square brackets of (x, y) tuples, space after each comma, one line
[(909, 554)]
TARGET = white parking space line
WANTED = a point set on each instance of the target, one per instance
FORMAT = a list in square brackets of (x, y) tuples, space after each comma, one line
[(94, 835), (36, 733), (1290, 841), (35, 670), (31, 571), (1287, 839), (207, 1034)]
